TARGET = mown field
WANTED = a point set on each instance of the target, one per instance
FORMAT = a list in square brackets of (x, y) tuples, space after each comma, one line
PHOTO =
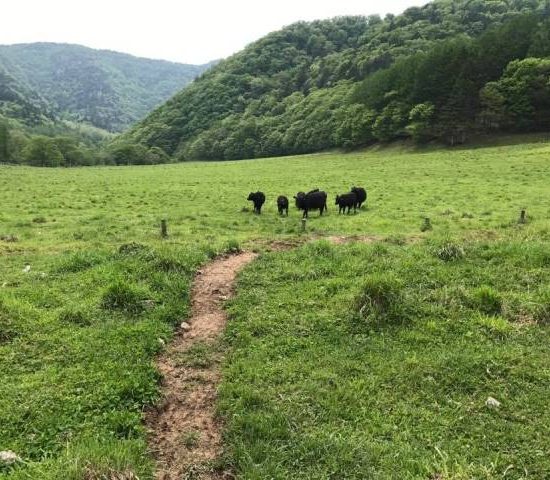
[(348, 361)]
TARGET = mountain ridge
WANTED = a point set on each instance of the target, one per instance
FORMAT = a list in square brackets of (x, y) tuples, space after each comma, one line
[(104, 88)]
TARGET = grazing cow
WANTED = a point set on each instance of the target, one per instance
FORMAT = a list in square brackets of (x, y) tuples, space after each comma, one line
[(282, 205), (259, 199), (347, 200), (361, 195), (314, 200)]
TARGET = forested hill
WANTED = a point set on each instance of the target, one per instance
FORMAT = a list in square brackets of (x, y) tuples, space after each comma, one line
[(108, 90), (442, 71)]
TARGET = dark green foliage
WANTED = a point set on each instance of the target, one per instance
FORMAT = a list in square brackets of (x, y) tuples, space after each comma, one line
[(350, 81)]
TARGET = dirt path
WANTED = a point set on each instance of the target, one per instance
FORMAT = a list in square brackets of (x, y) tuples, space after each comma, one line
[(185, 435)]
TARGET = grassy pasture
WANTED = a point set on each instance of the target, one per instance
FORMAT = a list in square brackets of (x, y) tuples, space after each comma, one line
[(342, 394)]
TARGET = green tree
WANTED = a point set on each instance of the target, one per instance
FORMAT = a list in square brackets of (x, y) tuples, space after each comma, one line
[(4, 142), (43, 152), (420, 128)]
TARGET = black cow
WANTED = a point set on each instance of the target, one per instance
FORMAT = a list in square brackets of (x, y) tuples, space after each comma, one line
[(259, 199), (282, 205), (314, 200), (361, 195), (347, 200), (301, 195)]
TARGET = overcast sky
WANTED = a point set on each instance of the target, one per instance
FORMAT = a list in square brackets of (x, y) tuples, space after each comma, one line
[(182, 31)]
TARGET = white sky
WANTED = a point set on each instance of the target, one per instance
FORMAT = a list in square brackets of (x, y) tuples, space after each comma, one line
[(182, 31)]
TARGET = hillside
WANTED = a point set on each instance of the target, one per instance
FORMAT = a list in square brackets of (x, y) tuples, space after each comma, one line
[(431, 73), (108, 90)]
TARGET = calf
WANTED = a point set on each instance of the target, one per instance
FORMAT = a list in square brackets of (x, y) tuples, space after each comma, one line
[(347, 200), (258, 199), (361, 195), (282, 205)]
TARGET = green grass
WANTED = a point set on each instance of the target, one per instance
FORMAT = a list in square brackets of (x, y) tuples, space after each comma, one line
[(370, 374), (343, 388)]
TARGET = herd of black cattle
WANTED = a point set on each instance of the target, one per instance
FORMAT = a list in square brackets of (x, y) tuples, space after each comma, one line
[(314, 200)]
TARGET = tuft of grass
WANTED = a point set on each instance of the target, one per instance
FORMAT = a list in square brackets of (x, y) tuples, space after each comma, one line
[(75, 316), (190, 439), (487, 300), (426, 225), (233, 246), (450, 252), (380, 298), (123, 296)]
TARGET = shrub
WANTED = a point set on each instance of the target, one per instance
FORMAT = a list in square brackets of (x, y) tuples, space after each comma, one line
[(487, 300), (380, 298), (121, 296)]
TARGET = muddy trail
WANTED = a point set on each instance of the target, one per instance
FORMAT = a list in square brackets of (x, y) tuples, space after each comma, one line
[(185, 436)]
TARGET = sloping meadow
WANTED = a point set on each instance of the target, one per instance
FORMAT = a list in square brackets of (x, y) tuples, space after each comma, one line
[(377, 361)]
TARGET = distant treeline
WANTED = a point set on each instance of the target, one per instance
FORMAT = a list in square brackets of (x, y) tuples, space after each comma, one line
[(441, 72), (55, 146)]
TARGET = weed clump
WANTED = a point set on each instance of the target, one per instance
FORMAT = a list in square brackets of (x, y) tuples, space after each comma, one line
[(39, 220), (487, 300), (450, 252), (121, 296), (381, 298)]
